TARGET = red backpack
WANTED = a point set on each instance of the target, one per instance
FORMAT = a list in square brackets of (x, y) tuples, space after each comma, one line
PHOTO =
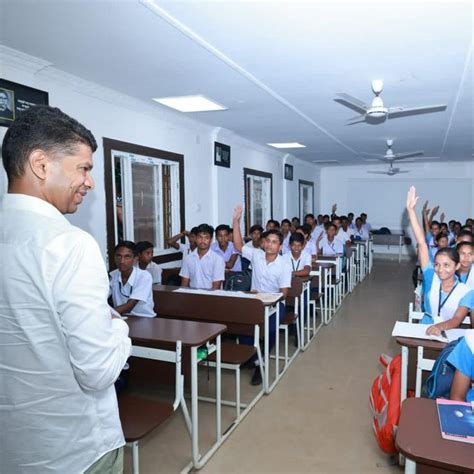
[(385, 403)]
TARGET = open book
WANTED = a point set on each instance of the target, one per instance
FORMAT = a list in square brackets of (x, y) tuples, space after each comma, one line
[(456, 420), (418, 331), (266, 298)]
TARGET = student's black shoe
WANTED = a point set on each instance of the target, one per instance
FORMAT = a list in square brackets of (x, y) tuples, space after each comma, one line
[(256, 377)]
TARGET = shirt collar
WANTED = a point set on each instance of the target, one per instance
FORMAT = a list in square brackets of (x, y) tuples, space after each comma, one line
[(24, 202), (195, 253)]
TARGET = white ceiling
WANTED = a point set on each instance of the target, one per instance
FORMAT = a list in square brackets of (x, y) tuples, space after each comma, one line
[(276, 65)]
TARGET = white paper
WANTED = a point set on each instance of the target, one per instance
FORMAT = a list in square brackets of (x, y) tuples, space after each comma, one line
[(264, 297), (418, 331)]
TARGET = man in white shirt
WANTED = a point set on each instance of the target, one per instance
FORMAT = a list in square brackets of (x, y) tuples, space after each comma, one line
[(61, 350), (328, 245), (202, 268), (365, 224), (145, 261), (226, 250), (130, 287), (360, 232), (254, 245)]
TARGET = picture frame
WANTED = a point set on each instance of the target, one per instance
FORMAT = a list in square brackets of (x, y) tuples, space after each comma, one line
[(288, 172), (221, 155), (16, 98)]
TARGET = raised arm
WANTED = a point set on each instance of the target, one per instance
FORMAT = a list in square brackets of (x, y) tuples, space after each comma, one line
[(173, 241), (423, 252), (426, 220), (237, 236)]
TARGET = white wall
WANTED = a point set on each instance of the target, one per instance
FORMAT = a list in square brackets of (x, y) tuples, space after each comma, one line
[(451, 185), (211, 192)]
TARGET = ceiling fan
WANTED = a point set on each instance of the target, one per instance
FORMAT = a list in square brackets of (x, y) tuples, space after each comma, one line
[(376, 112), (391, 171), (390, 156)]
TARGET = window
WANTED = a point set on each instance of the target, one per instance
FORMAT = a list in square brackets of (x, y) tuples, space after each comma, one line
[(144, 194), (258, 198), (306, 198)]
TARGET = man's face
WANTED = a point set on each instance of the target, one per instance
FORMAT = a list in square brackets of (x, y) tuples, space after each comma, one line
[(331, 231), (223, 238), (203, 241), (3, 101), (192, 240), (256, 237), (271, 244), (68, 179), (466, 256), (146, 256), (309, 220), (435, 230), (124, 259), (285, 228), (344, 224), (270, 226), (296, 249), (337, 223), (358, 222)]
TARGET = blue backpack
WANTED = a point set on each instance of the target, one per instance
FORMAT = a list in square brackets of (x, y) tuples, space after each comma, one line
[(438, 384)]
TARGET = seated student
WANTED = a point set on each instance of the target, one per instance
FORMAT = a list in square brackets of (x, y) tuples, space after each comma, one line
[(360, 232), (226, 249), (462, 358), (272, 224), (286, 232), (441, 241), (466, 261), (350, 218), (366, 225), (187, 247), (299, 261), (295, 222), (145, 261), (130, 287), (345, 227), (270, 273), (202, 268), (444, 296), (310, 245), (327, 245), (464, 236)]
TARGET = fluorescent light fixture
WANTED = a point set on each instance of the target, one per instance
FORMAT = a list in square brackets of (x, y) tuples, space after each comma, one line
[(325, 162), (190, 103), (287, 145)]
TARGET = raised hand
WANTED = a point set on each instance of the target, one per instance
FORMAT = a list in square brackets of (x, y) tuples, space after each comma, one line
[(441, 217), (237, 213), (334, 208), (425, 206), (412, 198), (434, 211)]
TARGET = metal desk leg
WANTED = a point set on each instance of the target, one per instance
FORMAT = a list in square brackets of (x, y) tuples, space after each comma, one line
[(194, 406), (266, 355), (218, 391)]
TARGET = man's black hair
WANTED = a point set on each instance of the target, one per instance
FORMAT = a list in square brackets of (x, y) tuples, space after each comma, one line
[(343, 218), (326, 216), (286, 221), (465, 232), (311, 216), (440, 236), (363, 214), (273, 232), (297, 237), (444, 225), (462, 244), (256, 227), (144, 245), (205, 229), (331, 224), (223, 227), (274, 222), (128, 244), (434, 223), (306, 228), (350, 214), (359, 219), (41, 128), (193, 230)]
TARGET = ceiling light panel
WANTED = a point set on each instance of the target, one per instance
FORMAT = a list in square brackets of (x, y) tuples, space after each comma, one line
[(287, 145), (190, 103)]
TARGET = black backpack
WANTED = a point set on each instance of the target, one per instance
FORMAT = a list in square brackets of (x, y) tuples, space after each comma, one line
[(238, 281)]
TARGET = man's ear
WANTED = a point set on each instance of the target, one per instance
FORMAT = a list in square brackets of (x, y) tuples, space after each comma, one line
[(38, 161)]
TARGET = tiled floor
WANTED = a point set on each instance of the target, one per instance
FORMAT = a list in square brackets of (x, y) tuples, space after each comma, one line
[(317, 419)]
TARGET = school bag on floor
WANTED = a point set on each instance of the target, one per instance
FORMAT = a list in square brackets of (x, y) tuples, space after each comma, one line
[(384, 402), (438, 384)]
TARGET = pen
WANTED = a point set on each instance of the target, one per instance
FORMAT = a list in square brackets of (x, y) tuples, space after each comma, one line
[(443, 333)]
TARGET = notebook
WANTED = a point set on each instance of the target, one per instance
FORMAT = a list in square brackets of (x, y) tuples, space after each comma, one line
[(418, 331), (456, 420)]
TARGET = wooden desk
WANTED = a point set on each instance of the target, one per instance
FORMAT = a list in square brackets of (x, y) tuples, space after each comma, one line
[(239, 314), (155, 332), (409, 359), (419, 439)]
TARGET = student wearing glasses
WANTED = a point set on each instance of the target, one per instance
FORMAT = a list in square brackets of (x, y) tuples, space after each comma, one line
[(130, 287)]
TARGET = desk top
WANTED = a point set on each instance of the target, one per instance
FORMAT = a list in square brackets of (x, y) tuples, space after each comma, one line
[(419, 438), (158, 330), (425, 343), (317, 265)]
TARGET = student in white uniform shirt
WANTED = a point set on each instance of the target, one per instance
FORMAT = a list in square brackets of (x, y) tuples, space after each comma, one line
[(345, 227), (365, 224), (360, 232), (226, 249), (60, 348), (187, 247), (270, 273), (255, 245), (329, 245), (285, 230), (145, 261), (310, 244), (202, 268), (298, 261), (130, 287)]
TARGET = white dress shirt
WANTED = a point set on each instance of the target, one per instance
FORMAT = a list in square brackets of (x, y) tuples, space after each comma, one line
[(268, 277), (138, 287), (202, 272), (329, 249), (155, 271), (361, 234), (60, 351), (229, 251), (297, 265), (317, 231), (343, 236)]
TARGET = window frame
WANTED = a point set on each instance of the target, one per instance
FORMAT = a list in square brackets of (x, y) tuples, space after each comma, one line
[(262, 174), (111, 145), (311, 185)]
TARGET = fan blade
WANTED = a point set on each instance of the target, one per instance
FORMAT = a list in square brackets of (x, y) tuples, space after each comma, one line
[(402, 156), (377, 172), (357, 121), (352, 102), (403, 171), (398, 112), (377, 155)]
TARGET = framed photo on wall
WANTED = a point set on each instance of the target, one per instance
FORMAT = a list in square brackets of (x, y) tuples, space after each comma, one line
[(15, 98), (221, 155), (289, 172)]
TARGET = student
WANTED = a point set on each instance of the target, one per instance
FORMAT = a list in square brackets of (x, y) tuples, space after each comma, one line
[(285, 230), (272, 224), (309, 219), (444, 296), (202, 268), (345, 227), (145, 261), (360, 232), (464, 236), (366, 225), (226, 249), (462, 358), (130, 287), (187, 247), (327, 245), (466, 261), (441, 241), (298, 261), (350, 218), (270, 273), (295, 222), (310, 245)]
